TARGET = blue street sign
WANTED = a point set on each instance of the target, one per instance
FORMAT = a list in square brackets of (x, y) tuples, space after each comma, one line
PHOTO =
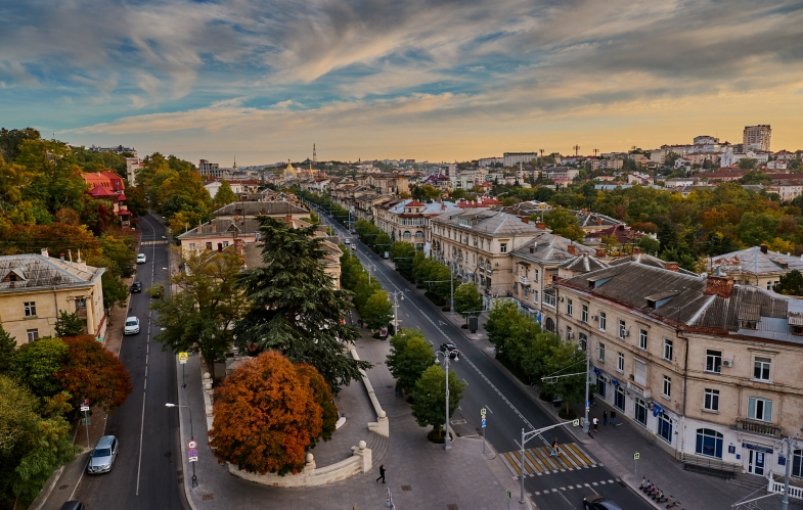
[(484, 423)]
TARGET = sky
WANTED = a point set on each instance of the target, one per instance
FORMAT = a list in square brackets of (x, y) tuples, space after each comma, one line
[(263, 80)]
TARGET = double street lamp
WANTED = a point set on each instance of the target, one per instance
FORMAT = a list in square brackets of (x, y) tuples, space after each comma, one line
[(192, 439), (447, 355)]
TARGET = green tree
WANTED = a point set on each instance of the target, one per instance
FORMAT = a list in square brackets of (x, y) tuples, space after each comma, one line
[(564, 223), (294, 306), (410, 354), (429, 398), (790, 284), (201, 316), (31, 446), (501, 317), (467, 299), (69, 324), (403, 255), (224, 195), (566, 358), (37, 363), (377, 311), (8, 352)]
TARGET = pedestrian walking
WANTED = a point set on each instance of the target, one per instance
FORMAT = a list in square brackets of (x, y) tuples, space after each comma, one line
[(613, 417), (555, 450), (381, 473), (604, 417), (595, 422)]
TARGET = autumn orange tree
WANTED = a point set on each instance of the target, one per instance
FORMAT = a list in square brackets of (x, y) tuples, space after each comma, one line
[(266, 416), (323, 396), (91, 372)]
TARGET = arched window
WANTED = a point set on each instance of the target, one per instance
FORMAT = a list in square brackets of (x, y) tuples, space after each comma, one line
[(709, 443)]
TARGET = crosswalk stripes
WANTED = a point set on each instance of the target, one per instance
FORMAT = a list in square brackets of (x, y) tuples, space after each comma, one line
[(576, 486), (540, 461), (153, 243)]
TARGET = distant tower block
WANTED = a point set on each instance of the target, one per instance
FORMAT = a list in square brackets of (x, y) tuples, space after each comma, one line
[(314, 153), (757, 137), (576, 150)]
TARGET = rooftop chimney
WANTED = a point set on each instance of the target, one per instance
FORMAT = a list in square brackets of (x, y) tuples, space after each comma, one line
[(572, 249), (764, 248), (540, 225), (44, 252), (636, 250), (721, 286), (672, 266), (601, 252)]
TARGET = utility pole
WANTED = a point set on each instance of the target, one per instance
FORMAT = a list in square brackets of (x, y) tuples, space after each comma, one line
[(447, 355), (396, 310), (526, 436)]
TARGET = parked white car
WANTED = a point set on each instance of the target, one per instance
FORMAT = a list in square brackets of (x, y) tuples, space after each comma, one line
[(141, 258), (131, 326)]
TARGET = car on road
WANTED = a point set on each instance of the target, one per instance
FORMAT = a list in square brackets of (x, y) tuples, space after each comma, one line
[(73, 505), (136, 287), (596, 502), (448, 347), (103, 455), (131, 326), (142, 258)]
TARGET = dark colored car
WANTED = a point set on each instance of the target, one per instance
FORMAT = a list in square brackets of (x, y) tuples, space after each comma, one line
[(599, 503), (73, 505), (136, 287)]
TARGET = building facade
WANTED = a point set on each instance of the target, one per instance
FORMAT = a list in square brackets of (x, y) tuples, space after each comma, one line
[(757, 137), (708, 368), (35, 289)]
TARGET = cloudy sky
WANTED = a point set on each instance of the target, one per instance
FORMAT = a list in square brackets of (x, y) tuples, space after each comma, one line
[(430, 80)]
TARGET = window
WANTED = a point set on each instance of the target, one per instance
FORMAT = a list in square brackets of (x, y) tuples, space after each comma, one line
[(535, 277), (711, 400), (209, 245), (759, 409), (600, 353), (569, 307), (603, 321), (622, 329), (33, 335), (30, 308), (667, 387), (642, 339), (503, 247), (665, 427), (761, 368), (620, 361), (618, 398), (583, 341), (709, 443), (640, 412), (668, 348), (797, 463), (584, 314), (713, 361)]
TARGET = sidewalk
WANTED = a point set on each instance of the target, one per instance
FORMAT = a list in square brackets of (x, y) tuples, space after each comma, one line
[(420, 474), (614, 446)]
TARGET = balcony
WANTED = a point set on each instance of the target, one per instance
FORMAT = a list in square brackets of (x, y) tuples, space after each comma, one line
[(524, 281), (758, 427)]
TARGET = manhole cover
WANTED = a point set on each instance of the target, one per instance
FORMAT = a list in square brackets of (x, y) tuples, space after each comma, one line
[(62, 487), (407, 488), (207, 497), (452, 506)]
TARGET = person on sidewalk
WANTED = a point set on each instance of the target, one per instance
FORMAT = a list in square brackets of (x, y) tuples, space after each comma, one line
[(604, 417), (595, 422), (381, 473), (555, 450), (613, 418)]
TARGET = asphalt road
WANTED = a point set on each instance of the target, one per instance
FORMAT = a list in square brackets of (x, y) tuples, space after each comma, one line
[(148, 468), (510, 407)]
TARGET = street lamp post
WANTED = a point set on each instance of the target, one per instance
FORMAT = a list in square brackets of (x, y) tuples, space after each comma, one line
[(192, 437), (447, 356), (526, 436)]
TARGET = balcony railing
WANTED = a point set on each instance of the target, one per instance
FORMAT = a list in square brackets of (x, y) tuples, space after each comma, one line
[(758, 427), (524, 280)]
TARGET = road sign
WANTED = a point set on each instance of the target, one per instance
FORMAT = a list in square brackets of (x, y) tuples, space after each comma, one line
[(484, 423), (192, 445), (482, 412), (192, 455), (576, 423), (183, 357), (636, 455), (84, 408)]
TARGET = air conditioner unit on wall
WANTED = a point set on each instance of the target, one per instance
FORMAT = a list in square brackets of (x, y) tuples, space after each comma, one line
[(727, 363), (595, 317)]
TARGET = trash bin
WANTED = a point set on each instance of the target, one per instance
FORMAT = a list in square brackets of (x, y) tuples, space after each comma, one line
[(473, 324)]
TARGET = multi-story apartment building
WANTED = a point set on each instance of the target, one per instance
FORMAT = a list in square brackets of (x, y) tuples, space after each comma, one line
[(477, 244), (35, 289), (709, 368), (538, 263), (757, 137), (757, 266), (408, 220)]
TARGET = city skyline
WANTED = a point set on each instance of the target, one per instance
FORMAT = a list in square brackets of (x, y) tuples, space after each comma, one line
[(429, 80)]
